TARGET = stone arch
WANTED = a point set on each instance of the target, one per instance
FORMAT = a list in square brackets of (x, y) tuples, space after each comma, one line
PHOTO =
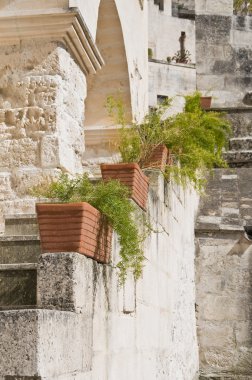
[(113, 78)]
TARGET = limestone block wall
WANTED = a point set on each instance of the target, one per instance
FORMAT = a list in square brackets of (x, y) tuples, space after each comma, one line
[(224, 272), (87, 327), (42, 92), (224, 50), (186, 4), (170, 80), (165, 31)]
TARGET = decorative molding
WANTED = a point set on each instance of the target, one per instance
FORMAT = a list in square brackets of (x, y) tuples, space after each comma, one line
[(65, 26)]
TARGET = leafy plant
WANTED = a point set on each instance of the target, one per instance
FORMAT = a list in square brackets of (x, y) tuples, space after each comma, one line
[(197, 139), (182, 57), (138, 141), (243, 6), (112, 200)]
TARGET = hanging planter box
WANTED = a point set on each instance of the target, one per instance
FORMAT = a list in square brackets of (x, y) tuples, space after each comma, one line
[(130, 175), (74, 227), (160, 157), (205, 102)]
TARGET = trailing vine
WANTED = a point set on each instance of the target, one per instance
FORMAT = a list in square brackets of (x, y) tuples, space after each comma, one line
[(112, 200)]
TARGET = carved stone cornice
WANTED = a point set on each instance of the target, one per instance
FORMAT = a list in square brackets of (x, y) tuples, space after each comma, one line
[(66, 26)]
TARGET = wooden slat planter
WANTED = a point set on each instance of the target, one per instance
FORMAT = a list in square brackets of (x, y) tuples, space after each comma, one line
[(74, 227), (130, 175)]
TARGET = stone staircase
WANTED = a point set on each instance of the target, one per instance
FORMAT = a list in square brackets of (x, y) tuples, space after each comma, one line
[(19, 252), (224, 261), (240, 145)]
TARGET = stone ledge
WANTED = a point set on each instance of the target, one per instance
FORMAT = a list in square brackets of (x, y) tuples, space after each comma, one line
[(64, 26), (230, 109), (185, 65)]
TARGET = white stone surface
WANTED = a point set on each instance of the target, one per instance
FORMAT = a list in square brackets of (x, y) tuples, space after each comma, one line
[(42, 112), (170, 80), (98, 331), (165, 31)]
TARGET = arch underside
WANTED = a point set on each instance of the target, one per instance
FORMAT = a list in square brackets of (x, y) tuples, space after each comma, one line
[(113, 78)]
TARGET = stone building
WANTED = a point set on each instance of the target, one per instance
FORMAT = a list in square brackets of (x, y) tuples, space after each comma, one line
[(64, 317)]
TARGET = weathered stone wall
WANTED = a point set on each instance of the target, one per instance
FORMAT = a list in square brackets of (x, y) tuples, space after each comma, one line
[(165, 31), (186, 4), (224, 51), (41, 114), (224, 264), (87, 327), (170, 80)]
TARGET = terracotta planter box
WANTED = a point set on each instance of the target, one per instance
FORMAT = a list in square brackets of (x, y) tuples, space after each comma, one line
[(130, 175), (205, 102), (160, 157), (74, 227)]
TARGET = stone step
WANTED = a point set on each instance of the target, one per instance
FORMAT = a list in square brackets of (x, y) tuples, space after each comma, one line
[(21, 224), (18, 285), (238, 159), (240, 143), (19, 249)]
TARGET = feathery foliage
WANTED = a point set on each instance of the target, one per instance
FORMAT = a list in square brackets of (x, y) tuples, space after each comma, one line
[(196, 138), (112, 200)]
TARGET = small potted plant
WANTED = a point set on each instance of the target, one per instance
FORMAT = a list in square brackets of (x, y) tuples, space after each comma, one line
[(141, 146), (82, 217), (197, 139)]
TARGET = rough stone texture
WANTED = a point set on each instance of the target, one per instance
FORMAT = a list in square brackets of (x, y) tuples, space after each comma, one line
[(41, 115), (19, 249), (185, 4), (239, 153), (223, 49), (224, 262), (97, 330), (18, 287), (224, 272), (221, 7), (45, 343)]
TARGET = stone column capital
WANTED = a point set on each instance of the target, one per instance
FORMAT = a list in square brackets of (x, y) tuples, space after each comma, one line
[(66, 26)]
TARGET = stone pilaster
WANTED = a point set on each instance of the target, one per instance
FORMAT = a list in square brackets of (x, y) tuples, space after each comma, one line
[(42, 93)]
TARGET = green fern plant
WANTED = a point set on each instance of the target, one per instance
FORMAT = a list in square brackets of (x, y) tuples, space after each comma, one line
[(137, 142), (112, 200), (195, 137)]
